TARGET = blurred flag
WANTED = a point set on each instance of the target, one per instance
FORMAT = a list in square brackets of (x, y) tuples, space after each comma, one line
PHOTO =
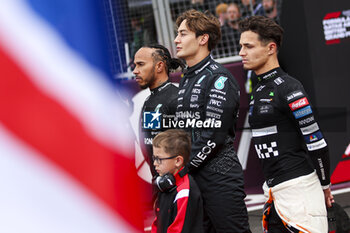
[(66, 156)]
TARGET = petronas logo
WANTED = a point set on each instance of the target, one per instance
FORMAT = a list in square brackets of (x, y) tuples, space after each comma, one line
[(220, 83)]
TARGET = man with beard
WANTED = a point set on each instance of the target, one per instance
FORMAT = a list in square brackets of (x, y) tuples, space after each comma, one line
[(251, 7), (270, 9), (152, 66)]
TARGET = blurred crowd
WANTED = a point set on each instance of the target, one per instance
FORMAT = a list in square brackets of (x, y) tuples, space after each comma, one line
[(229, 14)]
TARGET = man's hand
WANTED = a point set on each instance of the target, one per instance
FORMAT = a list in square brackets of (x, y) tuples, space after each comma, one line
[(328, 197)]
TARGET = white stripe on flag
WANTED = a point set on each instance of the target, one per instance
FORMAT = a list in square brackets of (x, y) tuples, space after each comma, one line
[(60, 72), (37, 197)]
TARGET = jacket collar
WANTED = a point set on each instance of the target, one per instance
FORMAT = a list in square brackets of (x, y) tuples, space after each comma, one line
[(274, 73), (160, 88), (194, 70)]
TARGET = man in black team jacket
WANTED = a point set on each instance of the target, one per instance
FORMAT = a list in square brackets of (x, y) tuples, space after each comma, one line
[(152, 66), (287, 138), (208, 104)]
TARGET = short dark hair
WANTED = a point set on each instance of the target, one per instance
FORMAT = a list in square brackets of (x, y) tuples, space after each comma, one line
[(202, 23), (174, 142), (161, 53), (267, 29)]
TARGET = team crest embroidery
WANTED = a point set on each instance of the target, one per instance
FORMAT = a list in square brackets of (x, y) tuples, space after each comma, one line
[(220, 83)]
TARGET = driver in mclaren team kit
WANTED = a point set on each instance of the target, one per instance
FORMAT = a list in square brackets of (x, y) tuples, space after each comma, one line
[(208, 104), (288, 141)]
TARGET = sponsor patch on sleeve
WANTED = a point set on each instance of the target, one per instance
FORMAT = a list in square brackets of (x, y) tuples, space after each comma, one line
[(306, 121), (309, 129), (302, 112), (316, 145), (298, 103), (313, 137), (295, 94)]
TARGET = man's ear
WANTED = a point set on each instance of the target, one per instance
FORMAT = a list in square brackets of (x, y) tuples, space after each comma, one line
[(272, 47), (203, 39), (160, 66)]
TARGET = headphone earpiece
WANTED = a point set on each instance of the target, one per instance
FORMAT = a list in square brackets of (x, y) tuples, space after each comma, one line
[(166, 183)]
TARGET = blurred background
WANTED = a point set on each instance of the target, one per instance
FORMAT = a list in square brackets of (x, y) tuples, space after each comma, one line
[(70, 108)]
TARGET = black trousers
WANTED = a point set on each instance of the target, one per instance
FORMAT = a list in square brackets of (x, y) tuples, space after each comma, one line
[(275, 223), (222, 187)]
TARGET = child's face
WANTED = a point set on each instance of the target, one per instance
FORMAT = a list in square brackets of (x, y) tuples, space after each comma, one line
[(167, 163)]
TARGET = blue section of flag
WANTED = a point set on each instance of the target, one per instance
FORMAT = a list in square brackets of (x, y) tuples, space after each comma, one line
[(81, 24)]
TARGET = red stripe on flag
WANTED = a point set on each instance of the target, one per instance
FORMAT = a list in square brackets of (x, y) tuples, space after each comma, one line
[(47, 126)]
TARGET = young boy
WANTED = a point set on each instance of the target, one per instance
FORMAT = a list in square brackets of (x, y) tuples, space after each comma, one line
[(179, 205)]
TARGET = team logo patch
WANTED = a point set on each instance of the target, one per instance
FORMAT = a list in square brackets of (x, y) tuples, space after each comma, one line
[(220, 83), (298, 103), (151, 120)]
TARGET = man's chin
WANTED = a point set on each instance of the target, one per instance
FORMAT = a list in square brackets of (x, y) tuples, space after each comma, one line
[(143, 87), (179, 55), (246, 67)]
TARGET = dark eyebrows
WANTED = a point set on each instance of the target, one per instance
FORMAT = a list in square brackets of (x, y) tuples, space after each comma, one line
[(182, 30), (245, 44)]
